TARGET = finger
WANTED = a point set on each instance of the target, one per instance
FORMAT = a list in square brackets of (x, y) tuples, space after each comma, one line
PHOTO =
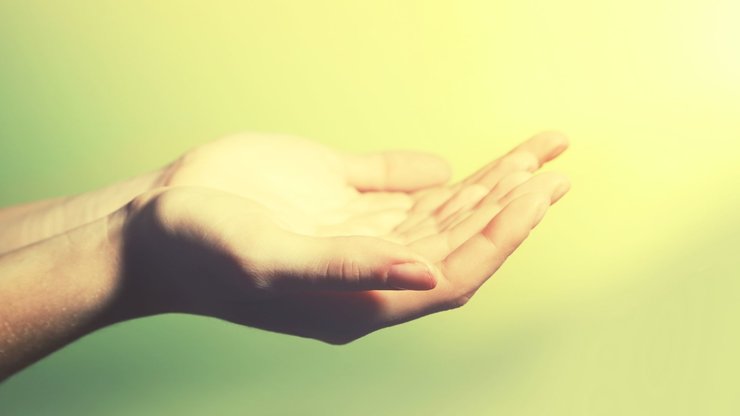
[(430, 199), (478, 258), (551, 183), (507, 183), (511, 170), (468, 266), (528, 156), (425, 202), (348, 263), (466, 198), (513, 162), (554, 184), (395, 171), (545, 146), (451, 235), (452, 220), (432, 223), (439, 245)]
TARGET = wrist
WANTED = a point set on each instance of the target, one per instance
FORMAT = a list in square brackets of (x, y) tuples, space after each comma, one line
[(97, 248), (26, 224), (118, 277), (129, 247)]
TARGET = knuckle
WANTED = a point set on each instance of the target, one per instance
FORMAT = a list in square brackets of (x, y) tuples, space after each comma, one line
[(345, 270)]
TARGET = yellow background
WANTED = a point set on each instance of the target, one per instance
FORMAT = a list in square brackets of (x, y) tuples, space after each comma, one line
[(624, 302)]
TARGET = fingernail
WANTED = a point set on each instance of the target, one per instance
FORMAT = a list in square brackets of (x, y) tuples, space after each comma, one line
[(412, 276)]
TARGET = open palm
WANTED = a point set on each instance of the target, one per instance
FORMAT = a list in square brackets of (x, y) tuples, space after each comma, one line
[(464, 230)]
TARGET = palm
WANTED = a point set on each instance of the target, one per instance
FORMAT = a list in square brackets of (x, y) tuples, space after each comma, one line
[(303, 185), (313, 190)]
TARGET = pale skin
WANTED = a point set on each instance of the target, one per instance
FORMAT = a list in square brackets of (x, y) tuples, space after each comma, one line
[(272, 232)]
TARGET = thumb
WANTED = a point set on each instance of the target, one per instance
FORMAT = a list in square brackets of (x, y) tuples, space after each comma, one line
[(350, 263)]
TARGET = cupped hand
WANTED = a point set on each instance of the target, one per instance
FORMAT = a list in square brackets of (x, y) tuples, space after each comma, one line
[(292, 236)]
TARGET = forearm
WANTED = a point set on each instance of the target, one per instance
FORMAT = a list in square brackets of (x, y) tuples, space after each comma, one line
[(14, 212), (28, 223), (57, 290)]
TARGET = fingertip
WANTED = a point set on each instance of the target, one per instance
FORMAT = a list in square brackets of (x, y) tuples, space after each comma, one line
[(540, 209), (555, 141), (556, 184), (562, 189), (553, 137), (559, 142)]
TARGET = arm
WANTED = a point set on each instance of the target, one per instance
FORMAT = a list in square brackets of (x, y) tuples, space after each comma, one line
[(25, 224), (55, 291), (271, 232), (157, 255)]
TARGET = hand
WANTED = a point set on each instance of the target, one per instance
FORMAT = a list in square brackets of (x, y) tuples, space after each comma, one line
[(291, 236)]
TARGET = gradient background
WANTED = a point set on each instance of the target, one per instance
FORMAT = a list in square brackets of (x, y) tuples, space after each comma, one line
[(625, 300)]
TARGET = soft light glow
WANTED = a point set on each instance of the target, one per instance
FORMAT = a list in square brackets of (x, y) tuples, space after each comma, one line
[(624, 301)]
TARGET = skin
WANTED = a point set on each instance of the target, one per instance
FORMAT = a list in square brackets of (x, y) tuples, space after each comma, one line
[(272, 232)]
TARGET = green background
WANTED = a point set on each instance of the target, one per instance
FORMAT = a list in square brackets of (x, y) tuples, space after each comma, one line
[(624, 301)]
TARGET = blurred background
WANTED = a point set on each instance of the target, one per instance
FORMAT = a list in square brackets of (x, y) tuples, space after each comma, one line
[(625, 300)]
